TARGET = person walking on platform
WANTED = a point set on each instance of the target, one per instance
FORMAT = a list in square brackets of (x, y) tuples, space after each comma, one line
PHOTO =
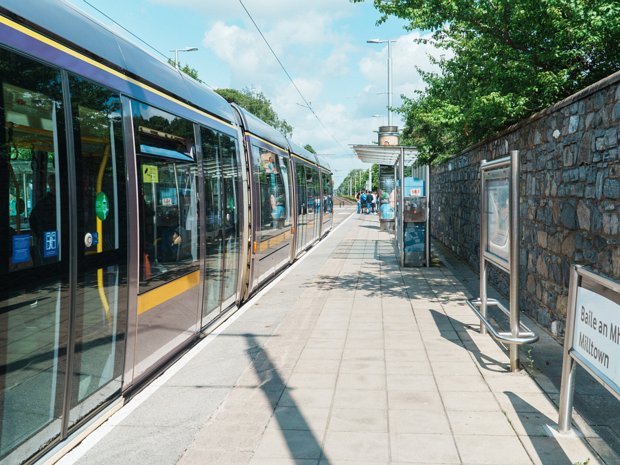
[(369, 199), (363, 201), (357, 200)]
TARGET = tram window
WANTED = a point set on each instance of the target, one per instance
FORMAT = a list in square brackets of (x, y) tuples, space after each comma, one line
[(99, 145), (162, 134), (30, 175), (168, 220), (271, 172), (327, 194), (33, 297), (169, 236)]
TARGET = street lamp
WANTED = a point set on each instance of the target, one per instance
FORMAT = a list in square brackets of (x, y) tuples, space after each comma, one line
[(389, 92), (176, 54)]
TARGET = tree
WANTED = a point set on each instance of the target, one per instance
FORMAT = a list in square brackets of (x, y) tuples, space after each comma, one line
[(257, 104), (309, 148), (191, 72), (511, 58)]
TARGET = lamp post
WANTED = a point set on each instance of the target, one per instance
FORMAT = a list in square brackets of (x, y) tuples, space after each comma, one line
[(389, 91), (176, 54)]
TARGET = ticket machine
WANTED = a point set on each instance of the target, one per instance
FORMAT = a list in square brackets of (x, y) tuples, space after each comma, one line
[(415, 223)]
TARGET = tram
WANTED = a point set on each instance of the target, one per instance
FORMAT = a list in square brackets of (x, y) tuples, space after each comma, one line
[(137, 207)]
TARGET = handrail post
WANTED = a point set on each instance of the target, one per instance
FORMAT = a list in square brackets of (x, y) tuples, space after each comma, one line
[(483, 240), (514, 257), (568, 363)]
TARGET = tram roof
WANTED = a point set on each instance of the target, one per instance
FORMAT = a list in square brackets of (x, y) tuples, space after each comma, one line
[(259, 128), (67, 24), (303, 153)]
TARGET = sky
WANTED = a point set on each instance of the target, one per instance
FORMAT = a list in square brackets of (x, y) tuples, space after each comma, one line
[(321, 43)]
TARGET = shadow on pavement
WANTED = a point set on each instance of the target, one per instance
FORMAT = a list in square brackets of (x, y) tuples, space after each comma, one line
[(533, 423), (297, 433), (444, 321)]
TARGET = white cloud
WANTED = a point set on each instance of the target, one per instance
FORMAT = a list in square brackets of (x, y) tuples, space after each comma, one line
[(406, 56), (260, 9)]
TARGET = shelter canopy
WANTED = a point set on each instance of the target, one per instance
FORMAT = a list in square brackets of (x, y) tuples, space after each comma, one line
[(385, 154)]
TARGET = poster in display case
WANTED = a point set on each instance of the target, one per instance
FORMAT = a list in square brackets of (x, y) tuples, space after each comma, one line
[(497, 186)]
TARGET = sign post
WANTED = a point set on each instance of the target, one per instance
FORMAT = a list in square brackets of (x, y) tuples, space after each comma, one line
[(592, 336)]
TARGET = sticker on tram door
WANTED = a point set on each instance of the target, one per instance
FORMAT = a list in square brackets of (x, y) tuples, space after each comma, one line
[(21, 248), (50, 244)]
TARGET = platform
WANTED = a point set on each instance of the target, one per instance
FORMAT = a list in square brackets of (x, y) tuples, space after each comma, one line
[(345, 360)]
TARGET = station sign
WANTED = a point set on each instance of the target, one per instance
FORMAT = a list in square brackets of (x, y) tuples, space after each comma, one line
[(592, 336), (596, 337)]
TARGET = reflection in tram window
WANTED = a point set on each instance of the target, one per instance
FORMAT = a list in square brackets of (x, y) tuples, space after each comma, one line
[(302, 213), (221, 186), (33, 260), (31, 142), (168, 196), (100, 307), (271, 172)]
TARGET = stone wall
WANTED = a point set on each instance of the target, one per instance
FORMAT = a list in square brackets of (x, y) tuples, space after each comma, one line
[(570, 197)]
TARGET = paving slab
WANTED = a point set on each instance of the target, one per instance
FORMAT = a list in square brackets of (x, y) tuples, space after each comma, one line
[(351, 360)]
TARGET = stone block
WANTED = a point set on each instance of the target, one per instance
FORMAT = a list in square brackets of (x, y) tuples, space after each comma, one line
[(611, 224), (542, 239), (583, 215), (616, 112), (573, 124), (611, 188), (541, 267), (568, 245), (568, 215), (569, 155)]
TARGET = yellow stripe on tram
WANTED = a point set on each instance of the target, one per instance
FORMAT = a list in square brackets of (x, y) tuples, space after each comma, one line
[(158, 296), (107, 69), (100, 283)]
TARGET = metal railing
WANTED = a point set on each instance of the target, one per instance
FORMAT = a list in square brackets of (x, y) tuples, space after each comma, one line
[(496, 172)]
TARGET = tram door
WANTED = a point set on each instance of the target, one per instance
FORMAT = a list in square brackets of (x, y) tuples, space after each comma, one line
[(60, 345), (100, 302), (221, 176), (302, 207)]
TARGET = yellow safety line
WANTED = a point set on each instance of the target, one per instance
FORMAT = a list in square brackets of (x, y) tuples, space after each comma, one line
[(107, 69)]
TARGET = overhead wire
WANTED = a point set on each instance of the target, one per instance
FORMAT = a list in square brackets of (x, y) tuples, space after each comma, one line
[(306, 102), (125, 29)]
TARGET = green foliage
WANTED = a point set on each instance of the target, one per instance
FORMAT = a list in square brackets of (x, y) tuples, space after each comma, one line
[(257, 104), (187, 70), (309, 148), (356, 181), (510, 58)]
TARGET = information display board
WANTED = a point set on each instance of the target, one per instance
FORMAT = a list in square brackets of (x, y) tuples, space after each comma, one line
[(497, 204)]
